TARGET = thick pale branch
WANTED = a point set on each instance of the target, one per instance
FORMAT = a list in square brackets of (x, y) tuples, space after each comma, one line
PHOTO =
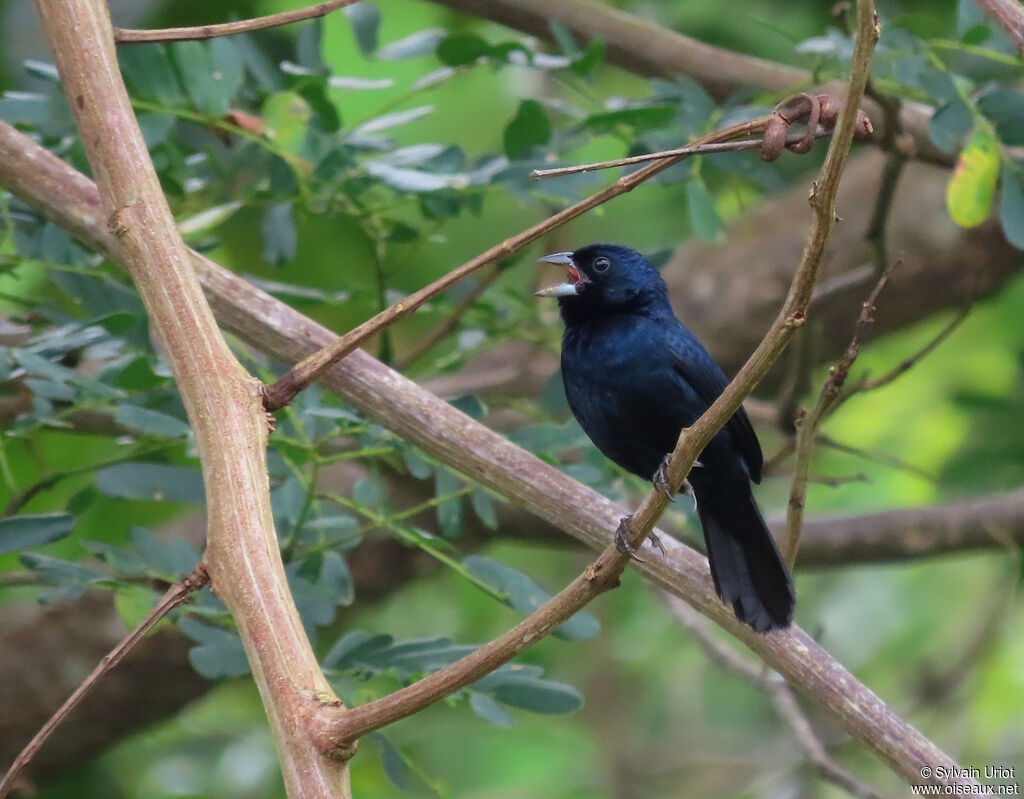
[(129, 36), (220, 398)]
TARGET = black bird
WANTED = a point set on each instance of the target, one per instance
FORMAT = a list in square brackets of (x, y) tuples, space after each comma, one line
[(634, 378)]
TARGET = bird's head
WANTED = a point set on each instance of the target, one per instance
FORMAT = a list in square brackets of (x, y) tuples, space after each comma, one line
[(605, 278)]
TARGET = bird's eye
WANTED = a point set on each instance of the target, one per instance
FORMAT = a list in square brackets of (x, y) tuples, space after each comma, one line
[(602, 264)]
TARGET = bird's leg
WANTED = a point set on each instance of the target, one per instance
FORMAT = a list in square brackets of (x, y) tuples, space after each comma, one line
[(624, 546), (660, 479)]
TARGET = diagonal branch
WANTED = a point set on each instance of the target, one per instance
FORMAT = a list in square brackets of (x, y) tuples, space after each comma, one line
[(130, 36)]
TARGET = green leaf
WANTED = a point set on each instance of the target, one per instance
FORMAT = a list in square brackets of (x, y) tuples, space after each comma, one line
[(470, 405), (418, 466), (124, 561), (149, 73), (307, 47), (640, 118), (57, 571), (220, 652), (391, 760), (949, 125), (590, 59), (1011, 209), (449, 512), (1005, 108), (528, 129), (412, 155), (211, 71), (33, 530), (489, 710), (226, 58), (133, 602), (367, 492), (563, 37), (703, 216), (156, 127), (483, 507), (525, 595), (286, 115), (169, 560), (976, 35), (349, 650), (47, 389), (154, 482), (278, 235), (387, 121), (518, 687), (972, 189), (462, 49), (413, 45), (414, 180), (151, 422), (365, 21)]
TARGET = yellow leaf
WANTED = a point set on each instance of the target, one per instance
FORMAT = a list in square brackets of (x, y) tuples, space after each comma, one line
[(972, 189)]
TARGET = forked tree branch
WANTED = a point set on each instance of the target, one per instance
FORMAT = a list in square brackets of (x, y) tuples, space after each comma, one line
[(130, 36)]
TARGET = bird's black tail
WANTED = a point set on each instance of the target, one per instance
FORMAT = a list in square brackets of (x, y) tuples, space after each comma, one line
[(745, 563)]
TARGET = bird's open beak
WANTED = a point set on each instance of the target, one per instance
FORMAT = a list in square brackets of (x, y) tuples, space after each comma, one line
[(575, 279)]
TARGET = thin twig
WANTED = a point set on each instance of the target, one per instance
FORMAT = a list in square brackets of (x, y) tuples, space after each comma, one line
[(176, 595), (764, 679), (875, 456), (876, 232), (909, 363), (891, 171), (696, 149), (807, 427), (131, 36)]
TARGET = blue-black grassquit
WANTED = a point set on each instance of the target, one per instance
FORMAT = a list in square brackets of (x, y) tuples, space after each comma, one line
[(634, 378)]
